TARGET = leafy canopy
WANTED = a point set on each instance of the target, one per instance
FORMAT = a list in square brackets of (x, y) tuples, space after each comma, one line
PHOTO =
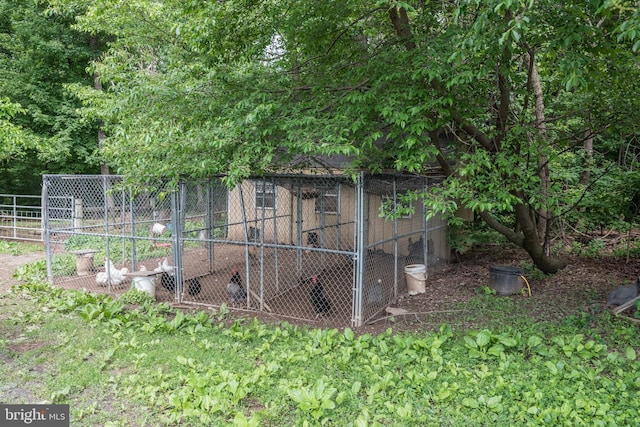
[(496, 94), (41, 130)]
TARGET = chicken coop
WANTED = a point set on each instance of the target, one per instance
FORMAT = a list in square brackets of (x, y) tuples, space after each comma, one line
[(319, 248)]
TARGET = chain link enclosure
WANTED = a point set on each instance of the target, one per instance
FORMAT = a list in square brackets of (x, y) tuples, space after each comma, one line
[(285, 235)]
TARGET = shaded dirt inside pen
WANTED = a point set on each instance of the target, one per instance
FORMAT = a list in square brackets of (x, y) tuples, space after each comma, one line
[(582, 287)]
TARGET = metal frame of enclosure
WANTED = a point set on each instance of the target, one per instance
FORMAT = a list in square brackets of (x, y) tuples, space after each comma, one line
[(279, 232)]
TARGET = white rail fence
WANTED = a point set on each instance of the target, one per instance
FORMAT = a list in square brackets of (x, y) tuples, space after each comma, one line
[(21, 217)]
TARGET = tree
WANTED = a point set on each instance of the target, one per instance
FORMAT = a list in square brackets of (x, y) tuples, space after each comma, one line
[(12, 137), (39, 55), (498, 92)]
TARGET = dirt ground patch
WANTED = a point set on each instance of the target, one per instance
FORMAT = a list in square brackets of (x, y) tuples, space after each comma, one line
[(581, 287), (8, 264)]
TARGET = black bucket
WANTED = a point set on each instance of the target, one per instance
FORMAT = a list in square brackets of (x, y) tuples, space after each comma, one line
[(506, 280)]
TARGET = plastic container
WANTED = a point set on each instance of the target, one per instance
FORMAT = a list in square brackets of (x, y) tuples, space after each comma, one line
[(158, 228), (506, 280), (146, 284), (416, 277)]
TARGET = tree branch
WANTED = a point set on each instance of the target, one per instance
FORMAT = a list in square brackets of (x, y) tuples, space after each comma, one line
[(505, 92), (400, 22), (442, 161), (474, 132), (511, 235)]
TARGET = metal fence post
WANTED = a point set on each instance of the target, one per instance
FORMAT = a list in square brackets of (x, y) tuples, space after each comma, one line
[(47, 230), (77, 213), (177, 216), (360, 253)]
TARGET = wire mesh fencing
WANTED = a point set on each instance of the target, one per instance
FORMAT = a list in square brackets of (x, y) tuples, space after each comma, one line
[(319, 248)]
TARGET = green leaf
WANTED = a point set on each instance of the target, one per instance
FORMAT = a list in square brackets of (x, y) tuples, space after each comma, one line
[(534, 341), (356, 387), (507, 341), (630, 353), (494, 401), (483, 338), (470, 342), (470, 403), (349, 334)]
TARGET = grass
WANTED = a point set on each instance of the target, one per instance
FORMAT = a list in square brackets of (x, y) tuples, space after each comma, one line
[(120, 364)]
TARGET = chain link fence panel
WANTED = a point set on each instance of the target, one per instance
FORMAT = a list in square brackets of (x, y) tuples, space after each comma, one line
[(317, 248)]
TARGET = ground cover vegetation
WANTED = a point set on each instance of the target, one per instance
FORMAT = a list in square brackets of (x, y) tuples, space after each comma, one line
[(131, 361)]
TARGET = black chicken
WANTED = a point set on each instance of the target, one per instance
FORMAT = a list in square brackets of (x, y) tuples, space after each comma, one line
[(235, 289), (194, 287), (313, 240), (624, 293), (168, 282), (416, 252), (318, 298)]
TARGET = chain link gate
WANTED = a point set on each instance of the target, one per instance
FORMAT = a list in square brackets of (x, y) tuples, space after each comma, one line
[(309, 247)]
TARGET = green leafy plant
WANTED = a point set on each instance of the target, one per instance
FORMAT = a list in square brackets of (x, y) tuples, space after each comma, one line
[(463, 236), (487, 290), (135, 296), (32, 272), (485, 344), (63, 265), (594, 248), (315, 399), (18, 248), (577, 346), (154, 364), (101, 309), (531, 271)]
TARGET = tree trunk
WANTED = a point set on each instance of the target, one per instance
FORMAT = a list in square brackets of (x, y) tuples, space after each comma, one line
[(97, 85), (531, 243), (543, 162), (588, 158), (526, 238)]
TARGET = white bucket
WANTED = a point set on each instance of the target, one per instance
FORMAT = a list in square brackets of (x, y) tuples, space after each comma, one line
[(158, 228), (416, 277), (146, 284)]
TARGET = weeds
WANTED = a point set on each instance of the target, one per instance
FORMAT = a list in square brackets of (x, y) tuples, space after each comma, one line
[(154, 365), (18, 248)]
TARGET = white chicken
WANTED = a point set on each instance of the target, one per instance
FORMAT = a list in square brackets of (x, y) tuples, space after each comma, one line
[(165, 267), (112, 275), (159, 267)]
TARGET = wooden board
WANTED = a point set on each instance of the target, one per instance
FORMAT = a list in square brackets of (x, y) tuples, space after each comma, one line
[(622, 307)]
